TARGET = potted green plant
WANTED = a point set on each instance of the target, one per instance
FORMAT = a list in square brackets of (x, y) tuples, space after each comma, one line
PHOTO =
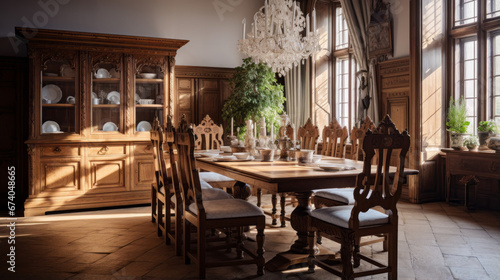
[(471, 143), (456, 121), (485, 130), (256, 94)]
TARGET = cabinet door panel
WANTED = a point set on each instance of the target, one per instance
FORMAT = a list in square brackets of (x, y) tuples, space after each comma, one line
[(107, 174), (144, 172), (60, 176), (209, 100)]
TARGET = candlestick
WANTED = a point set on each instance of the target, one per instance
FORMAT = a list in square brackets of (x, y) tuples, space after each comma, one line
[(231, 126), (244, 29)]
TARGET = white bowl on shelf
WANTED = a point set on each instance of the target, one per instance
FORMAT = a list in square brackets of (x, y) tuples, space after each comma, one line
[(147, 75), (146, 101)]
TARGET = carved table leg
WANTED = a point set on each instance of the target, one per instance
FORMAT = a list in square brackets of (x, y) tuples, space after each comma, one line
[(299, 220), (299, 251)]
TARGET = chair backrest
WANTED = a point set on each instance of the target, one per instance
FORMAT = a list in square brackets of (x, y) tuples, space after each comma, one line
[(357, 137), (334, 137), (188, 173), (156, 135), (385, 190), (208, 134), (308, 135), (169, 136)]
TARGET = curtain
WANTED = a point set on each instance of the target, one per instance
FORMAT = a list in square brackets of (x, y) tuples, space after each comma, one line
[(357, 15), (298, 93)]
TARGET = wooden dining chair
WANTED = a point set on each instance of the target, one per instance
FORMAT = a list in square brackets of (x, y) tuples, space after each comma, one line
[(209, 137), (344, 196), (175, 204), (334, 138), (204, 215), (308, 135), (347, 224), (160, 194)]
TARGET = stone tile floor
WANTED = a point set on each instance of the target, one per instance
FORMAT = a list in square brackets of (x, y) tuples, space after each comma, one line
[(436, 241)]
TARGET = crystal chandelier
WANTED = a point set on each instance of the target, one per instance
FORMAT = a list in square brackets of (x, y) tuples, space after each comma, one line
[(278, 38)]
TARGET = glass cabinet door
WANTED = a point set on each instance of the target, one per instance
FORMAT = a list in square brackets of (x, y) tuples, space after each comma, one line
[(106, 96), (59, 97), (149, 97)]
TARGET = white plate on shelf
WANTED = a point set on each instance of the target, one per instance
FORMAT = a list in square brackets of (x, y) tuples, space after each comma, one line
[(67, 71), (110, 126), (94, 95), (137, 98), (51, 93), (113, 97), (143, 126), (51, 127)]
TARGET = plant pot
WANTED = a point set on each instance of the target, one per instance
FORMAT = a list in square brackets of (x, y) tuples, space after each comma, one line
[(472, 148), (494, 143), (457, 140), (483, 137)]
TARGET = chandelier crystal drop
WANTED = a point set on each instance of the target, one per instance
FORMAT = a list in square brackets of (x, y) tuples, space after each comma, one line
[(278, 37)]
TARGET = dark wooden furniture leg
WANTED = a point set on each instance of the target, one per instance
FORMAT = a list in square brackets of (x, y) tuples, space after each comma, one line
[(299, 251)]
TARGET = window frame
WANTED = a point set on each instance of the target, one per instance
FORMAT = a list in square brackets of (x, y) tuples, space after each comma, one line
[(480, 30), (342, 54)]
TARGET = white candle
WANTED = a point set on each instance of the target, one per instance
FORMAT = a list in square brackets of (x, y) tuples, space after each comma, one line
[(272, 132), (231, 126), (244, 30), (307, 24), (314, 21), (267, 13), (255, 26)]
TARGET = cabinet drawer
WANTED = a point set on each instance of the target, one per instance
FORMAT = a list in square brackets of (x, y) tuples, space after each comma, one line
[(57, 151), (105, 150), (477, 166), (143, 149)]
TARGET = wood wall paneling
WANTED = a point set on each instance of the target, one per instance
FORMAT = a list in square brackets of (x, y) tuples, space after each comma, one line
[(201, 91)]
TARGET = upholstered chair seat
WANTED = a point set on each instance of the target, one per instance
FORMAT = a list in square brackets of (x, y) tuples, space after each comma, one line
[(227, 209), (340, 215)]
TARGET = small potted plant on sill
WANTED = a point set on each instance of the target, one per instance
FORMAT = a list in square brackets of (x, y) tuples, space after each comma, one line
[(471, 143), (485, 130), (456, 121)]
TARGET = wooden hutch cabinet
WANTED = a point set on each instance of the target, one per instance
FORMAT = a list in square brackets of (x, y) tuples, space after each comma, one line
[(93, 98)]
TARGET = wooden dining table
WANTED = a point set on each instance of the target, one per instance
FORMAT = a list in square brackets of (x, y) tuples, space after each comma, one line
[(290, 177)]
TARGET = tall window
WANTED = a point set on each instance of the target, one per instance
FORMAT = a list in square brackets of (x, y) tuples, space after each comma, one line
[(466, 76), (336, 86), (345, 72), (493, 108), (476, 56)]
